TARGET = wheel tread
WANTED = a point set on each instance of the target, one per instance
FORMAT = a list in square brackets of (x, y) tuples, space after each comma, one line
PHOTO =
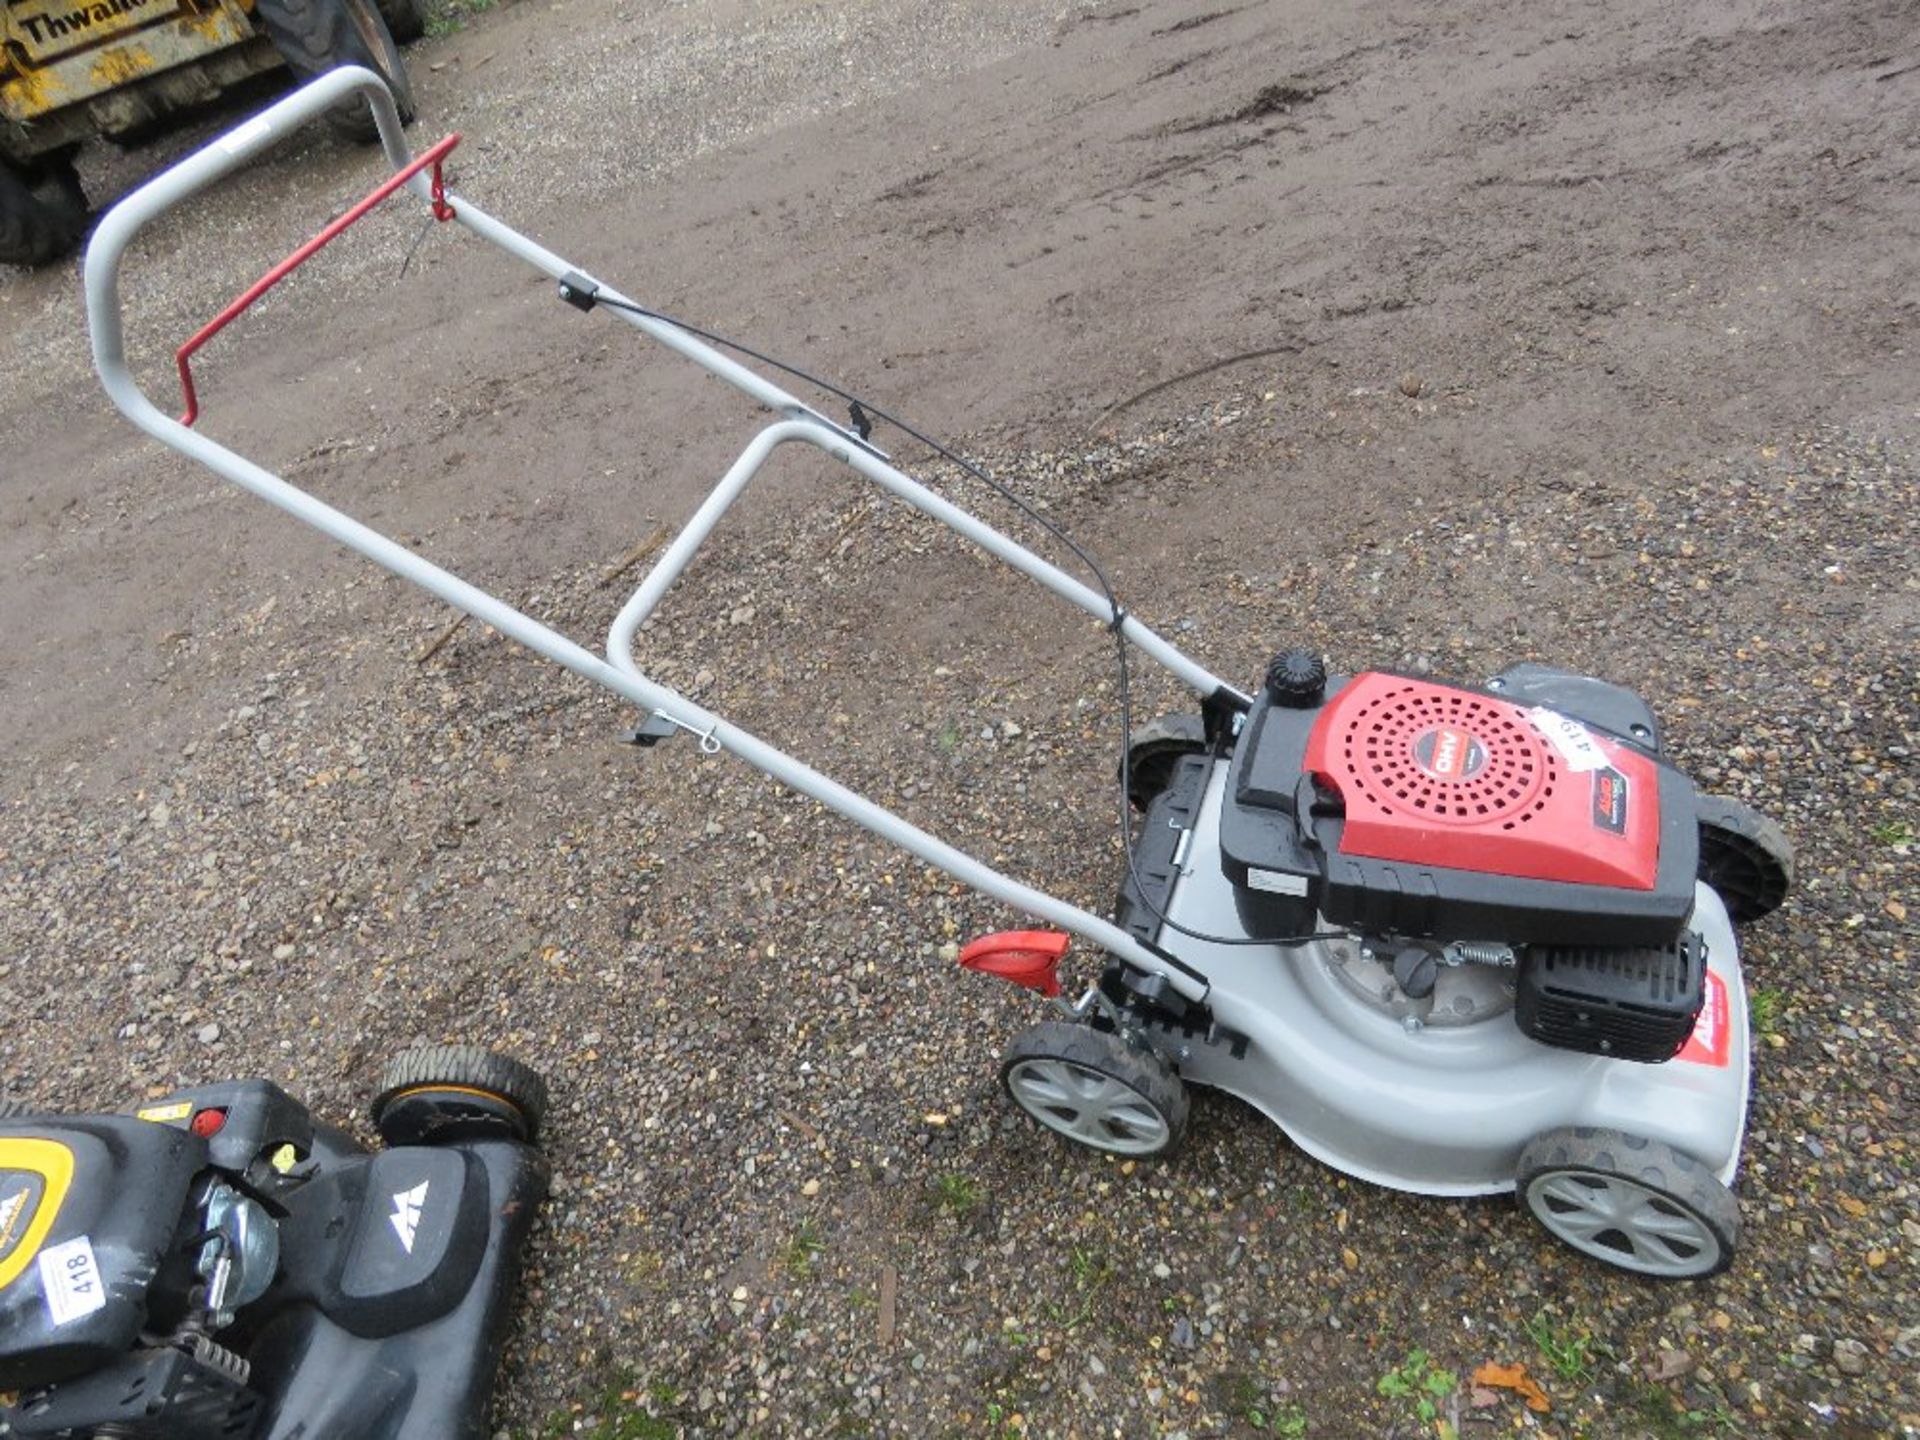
[(33, 229), (1153, 747), (1733, 834), (468, 1066), (1679, 1178), (315, 36)]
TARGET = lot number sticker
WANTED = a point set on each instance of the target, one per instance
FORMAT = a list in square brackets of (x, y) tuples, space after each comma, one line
[(1572, 739), (71, 1278)]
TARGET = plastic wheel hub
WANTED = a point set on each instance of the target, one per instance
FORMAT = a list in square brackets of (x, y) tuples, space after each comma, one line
[(1085, 1105), (1623, 1223), (1091, 1087), (1630, 1201)]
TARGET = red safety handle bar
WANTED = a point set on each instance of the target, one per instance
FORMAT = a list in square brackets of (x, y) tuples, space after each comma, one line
[(441, 211)]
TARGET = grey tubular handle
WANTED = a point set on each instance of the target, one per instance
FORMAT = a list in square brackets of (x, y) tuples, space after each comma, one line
[(189, 177), (618, 673)]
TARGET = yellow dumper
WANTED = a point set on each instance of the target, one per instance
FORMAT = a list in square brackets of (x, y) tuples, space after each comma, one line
[(73, 69)]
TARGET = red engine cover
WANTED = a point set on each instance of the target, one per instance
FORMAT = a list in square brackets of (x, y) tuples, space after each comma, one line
[(1434, 775)]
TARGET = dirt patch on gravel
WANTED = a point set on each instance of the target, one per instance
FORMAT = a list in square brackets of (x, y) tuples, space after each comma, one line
[(1436, 339)]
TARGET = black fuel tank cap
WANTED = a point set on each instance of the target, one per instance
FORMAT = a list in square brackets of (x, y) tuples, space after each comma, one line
[(1297, 679)]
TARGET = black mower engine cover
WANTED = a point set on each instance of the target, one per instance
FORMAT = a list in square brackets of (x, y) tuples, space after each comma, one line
[(90, 1206), (374, 1310), (387, 1242)]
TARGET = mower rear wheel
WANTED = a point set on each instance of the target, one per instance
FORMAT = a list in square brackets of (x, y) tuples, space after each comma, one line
[(1092, 1087), (1154, 748), (1745, 858), (1635, 1203), (439, 1094)]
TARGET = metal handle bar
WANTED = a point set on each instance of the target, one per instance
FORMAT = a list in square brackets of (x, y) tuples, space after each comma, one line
[(221, 157), (862, 459), (619, 673)]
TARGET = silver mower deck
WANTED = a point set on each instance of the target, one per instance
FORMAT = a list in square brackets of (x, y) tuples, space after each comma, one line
[(1437, 1097)]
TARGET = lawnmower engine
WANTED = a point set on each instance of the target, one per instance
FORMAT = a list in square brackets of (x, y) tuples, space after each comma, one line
[(1521, 845), (1444, 936), (219, 1265)]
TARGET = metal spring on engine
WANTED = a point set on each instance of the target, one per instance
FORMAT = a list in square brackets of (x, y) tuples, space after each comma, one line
[(1481, 952), (217, 1357)]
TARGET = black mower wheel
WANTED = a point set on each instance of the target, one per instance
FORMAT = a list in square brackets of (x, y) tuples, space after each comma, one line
[(42, 216), (1154, 748), (439, 1094), (1745, 858), (1634, 1203), (1094, 1089), (315, 36), (406, 21)]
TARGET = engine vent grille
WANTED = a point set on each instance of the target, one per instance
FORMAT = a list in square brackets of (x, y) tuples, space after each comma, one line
[(1446, 755)]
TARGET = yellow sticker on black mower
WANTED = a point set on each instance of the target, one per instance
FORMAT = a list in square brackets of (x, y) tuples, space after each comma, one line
[(34, 1175)]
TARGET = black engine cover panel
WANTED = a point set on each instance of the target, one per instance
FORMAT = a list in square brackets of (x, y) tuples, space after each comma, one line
[(389, 1242), (78, 1297)]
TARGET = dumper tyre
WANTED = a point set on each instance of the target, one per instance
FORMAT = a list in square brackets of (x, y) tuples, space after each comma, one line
[(406, 21), (42, 216), (315, 36)]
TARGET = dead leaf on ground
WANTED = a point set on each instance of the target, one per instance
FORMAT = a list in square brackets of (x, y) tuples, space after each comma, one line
[(1516, 1379)]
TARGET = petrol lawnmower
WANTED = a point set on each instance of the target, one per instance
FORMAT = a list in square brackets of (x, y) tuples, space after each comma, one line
[(218, 1265), (1452, 939)]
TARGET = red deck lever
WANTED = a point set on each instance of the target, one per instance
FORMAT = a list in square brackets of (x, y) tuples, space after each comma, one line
[(441, 211)]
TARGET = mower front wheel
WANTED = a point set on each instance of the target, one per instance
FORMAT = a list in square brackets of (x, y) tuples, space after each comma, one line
[(442, 1094), (1632, 1202), (1096, 1090)]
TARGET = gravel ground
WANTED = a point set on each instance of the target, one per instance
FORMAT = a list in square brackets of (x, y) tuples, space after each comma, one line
[(248, 829), (790, 1199), (562, 103)]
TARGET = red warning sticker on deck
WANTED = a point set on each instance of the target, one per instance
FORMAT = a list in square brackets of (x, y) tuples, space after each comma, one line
[(1710, 1042)]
